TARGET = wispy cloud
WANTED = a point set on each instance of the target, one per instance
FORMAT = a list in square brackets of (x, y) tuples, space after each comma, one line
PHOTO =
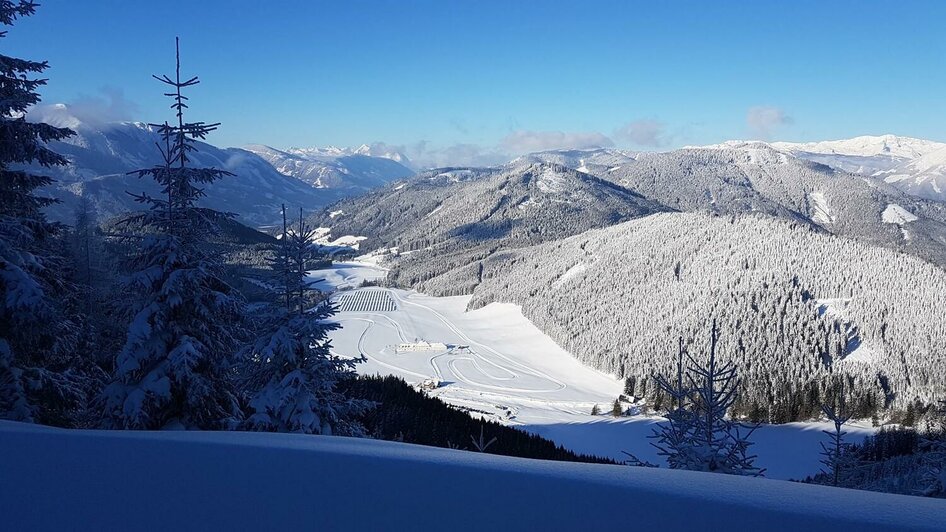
[(423, 155), (520, 142), (764, 120), (644, 132), (108, 106)]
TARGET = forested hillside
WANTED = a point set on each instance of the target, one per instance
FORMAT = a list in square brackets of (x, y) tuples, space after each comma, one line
[(460, 216), (740, 177), (795, 307)]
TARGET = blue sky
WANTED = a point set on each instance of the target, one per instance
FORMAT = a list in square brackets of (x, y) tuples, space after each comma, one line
[(463, 79)]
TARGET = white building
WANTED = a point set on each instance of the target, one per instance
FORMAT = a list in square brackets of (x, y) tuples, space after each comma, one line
[(420, 346)]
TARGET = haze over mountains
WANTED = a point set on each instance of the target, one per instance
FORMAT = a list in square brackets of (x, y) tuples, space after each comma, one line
[(822, 183), (344, 169), (101, 154)]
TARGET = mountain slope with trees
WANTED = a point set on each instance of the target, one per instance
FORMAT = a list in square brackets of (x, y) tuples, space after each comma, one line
[(754, 177), (453, 218), (795, 307), (100, 156)]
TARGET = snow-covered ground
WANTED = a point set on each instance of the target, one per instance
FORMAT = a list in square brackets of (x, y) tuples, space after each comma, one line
[(56, 479), (499, 365)]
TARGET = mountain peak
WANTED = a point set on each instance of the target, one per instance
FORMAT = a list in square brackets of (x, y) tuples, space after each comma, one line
[(887, 145)]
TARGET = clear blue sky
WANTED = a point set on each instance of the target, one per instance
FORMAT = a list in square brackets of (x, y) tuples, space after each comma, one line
[(508, 75)]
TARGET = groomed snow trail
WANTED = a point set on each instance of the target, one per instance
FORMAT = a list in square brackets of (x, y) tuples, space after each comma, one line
[(498, 365)]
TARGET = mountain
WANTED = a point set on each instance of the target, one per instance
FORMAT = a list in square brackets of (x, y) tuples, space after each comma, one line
[(462, 215), (101, 154), (346, 171), (915, 166), (793, 305), (924, 176), (755, 177)]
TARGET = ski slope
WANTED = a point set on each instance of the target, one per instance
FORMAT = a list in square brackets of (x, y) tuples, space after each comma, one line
[(78, 480), (499, 366)]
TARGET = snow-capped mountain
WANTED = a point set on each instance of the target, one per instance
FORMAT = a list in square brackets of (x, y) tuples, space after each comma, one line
[(892, 146), (344, 169), (467, 213), (100, 156), (910, 164), (924, 176), (745, 177)]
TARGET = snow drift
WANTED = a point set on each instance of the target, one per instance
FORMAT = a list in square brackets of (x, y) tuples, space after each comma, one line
[(57, 479)]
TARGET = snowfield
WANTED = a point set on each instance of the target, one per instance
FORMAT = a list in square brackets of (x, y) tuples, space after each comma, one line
[(497, 365), (57, 479)]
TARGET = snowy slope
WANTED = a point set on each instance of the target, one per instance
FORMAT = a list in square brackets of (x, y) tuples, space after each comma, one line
[(916, 166), (739, 177), (924, 176), (867, 146), (648, 280), (498, 365), (56, 479), (101, 154), (343, 169)]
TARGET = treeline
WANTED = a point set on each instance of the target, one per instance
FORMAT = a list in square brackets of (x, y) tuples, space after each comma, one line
[(904, 460), (412, 417)]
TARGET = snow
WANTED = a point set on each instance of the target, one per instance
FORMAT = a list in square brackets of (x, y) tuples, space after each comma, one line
[(346, 275), (499, 366), (98, 480), (895, 214), (867, 146), (323, 237), (571, 273), (435, 211), (550, 181), (333, 214), (496, 361), (822, 211)]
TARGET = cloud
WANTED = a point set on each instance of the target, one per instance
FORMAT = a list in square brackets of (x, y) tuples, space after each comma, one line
[(109, 106), (425, 156), (520, 142), (764, 120), (644, 132)]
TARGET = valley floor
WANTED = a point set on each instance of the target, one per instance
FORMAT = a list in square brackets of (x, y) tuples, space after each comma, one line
[(498, 365), (59, 479)]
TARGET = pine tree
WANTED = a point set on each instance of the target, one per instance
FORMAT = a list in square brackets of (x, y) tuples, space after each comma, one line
[(701, 437), (35, 335), (933, 461), (616, 409), (175, 368), (835, 452), (292, 372), (595, 410), (671, 436)]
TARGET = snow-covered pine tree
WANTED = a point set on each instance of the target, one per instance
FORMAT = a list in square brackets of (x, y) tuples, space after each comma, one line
[(835, 452), (35, 335), (702, 437), (671, 438), (933, 461), (175, 369), (292, 373)]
